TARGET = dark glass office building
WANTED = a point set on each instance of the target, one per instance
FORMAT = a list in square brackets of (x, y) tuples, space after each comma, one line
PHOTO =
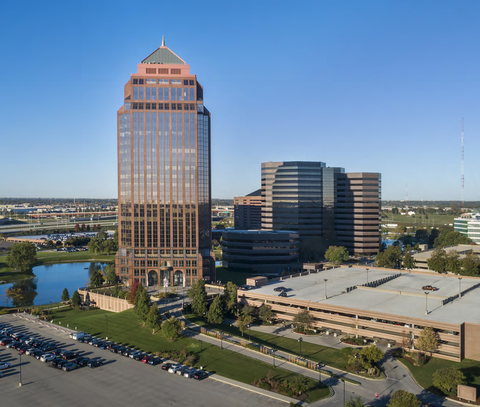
[(322, 202), (164, 178)]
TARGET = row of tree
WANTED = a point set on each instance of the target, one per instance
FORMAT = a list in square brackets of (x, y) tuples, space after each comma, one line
[(442, 261), (101, 243)]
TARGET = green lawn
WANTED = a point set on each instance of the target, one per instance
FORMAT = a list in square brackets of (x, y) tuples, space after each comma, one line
[(236, 277), (419, 221), (329, 356), (423, 374), (9, 275), (124, 327)]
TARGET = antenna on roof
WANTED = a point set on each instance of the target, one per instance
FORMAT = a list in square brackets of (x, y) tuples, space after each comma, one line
[(163, 40)]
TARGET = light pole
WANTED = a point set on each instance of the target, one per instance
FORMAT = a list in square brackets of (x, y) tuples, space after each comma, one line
[(300, 340), (201, 351), (343, 392), (459, 287), (325, 279), (367, 275), (273, 353), (426, 303), (319, 365), (20, 382), (106, 327)]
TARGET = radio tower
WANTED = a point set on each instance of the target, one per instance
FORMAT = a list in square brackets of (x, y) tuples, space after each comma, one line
[(463, 168)]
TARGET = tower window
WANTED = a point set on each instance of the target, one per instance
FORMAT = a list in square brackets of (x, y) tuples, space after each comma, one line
[(167, 107), (135, 81), (140, 81), (185, 82), (192, 82)]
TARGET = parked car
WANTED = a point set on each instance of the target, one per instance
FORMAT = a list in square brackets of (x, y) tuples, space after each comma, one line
[(6, 342), (282, 294), (95, 363), (115, 348), (167, 366), (37, 353), (99, 343), (135, 353), (56, 361), (200, 375), (82, 361), (175, 369), (429, 288), (127, 351), (62, 363), (69, 366), (5, 365), (47, 358), (189, 372), (154, 361), (279, 289), (140, 356), (70, 355), (182, 370), (29, 351)]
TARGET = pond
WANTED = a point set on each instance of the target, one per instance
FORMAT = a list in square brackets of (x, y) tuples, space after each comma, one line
[(48, 284)]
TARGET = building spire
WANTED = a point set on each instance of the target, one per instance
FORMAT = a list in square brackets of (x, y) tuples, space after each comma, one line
[(163, 40)]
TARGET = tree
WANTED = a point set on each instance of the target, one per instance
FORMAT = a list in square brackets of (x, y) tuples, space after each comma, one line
[(198, 295), (96, 279), (450, 238), (111, 277), (265, 313), (448, 379), (171, 329), (132, 292), (470, 265), (337, 254), (355, 402), (402, 398), (22, 256), (249, 310), (408, 261), (389, 258), (65, 295), (215, 312), (153, 318), (303, 319), (452, 262), (230, 297), (438, 261), (427, 340), (109, 246), (77, 228), (371, 354), (96, 243), (243, 321), (76, 299), (142, 303)]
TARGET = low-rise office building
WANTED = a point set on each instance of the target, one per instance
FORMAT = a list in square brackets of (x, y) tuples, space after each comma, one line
[(382, 304), (421, 258), (261, 251)]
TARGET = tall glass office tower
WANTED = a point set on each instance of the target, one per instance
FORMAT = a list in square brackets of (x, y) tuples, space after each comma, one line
[(164, 180)]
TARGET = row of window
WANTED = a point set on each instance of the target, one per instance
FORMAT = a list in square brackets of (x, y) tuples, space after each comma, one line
[(150, 93), (186, 82), (160, 106), (142, 272)]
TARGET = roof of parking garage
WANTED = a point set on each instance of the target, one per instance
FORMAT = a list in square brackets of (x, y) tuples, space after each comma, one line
[(400, 296)]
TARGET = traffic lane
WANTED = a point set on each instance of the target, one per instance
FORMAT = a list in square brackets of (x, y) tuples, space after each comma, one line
[(121, 381)]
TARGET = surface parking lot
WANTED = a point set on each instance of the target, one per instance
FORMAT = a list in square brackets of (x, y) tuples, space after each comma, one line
[(120, 381)]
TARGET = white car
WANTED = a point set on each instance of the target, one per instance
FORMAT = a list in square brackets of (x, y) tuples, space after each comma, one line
[(175, 368), (29, 351), (47, 357), (4, 365)]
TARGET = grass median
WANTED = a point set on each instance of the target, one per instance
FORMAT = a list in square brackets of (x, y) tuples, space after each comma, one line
[(318, 353), (125, 328)]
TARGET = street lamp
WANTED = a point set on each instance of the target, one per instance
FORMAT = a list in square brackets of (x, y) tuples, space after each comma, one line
[(273, 353), (300, 340), (319, 365), (106, 327), (325, 279), (367, 275), (201, 351), (343, 392), (459, 287), (426, 303), (20, 382)]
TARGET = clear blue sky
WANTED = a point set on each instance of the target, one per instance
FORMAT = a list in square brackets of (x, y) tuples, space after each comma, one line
[(375, 86)]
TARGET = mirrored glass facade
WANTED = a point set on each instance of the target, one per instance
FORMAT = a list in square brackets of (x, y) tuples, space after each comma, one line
[(164, 180)]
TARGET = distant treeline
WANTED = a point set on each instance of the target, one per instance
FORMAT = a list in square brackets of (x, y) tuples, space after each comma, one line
[(468, 204), (57, 201)]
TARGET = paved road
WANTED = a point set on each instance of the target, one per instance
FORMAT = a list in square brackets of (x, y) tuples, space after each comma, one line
[(121, 381)]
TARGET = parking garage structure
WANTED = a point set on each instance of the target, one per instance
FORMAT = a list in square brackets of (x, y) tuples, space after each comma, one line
[(382, 304)]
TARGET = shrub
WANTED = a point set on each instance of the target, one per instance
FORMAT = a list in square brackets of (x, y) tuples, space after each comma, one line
[(265, 386)]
